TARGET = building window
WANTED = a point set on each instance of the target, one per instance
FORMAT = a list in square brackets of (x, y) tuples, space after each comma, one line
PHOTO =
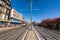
[(0, 7), (6, 17), (5, 10), (4, 3), (8, 12), (3, 16), (0, 2), (0, 10), (8, 2)]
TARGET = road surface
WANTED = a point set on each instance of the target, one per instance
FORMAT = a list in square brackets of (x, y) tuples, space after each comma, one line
[(48, 34), (37, 33), (13, 34), (31, 35)]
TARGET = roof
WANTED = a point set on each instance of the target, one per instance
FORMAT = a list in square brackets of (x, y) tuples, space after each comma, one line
[(51, 20)]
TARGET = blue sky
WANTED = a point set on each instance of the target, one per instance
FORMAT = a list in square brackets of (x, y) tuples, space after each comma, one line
[(48, 9)]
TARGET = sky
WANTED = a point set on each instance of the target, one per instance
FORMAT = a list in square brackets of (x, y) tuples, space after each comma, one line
[(41, 9)]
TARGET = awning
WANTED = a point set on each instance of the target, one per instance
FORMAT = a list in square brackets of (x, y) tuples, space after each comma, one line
[(4, 20), (15, 22)]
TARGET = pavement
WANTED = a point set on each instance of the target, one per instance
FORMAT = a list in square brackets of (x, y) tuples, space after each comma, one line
[(31, 35), (7, 28)]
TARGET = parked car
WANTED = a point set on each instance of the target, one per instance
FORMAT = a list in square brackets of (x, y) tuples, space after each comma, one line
[(23, 25)]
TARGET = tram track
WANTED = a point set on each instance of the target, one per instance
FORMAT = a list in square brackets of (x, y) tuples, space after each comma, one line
[(13, 34), (46, 34)]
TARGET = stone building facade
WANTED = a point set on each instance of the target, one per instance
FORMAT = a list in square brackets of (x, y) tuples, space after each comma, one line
[(5, 10)]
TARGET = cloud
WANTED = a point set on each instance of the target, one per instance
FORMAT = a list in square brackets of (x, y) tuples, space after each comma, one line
[(29, 9), (21, 9), (36, 9)]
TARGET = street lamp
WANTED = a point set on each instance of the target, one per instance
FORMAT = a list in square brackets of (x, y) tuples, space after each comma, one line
[(31, 13), (31, 2)]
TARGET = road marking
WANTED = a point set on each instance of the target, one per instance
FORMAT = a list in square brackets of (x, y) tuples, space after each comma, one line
[(38, 35), (25, 35)]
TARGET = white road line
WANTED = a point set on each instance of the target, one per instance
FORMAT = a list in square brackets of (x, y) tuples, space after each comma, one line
[(25, 35), (39, 38)]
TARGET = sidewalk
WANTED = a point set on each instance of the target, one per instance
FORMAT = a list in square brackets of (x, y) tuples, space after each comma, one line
[(31, 35), (7, 28)]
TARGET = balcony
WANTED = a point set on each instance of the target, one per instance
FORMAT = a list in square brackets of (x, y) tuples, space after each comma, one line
[(7, 2)]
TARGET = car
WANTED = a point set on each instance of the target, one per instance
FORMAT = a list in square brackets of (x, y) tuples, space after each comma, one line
[(23, 25)]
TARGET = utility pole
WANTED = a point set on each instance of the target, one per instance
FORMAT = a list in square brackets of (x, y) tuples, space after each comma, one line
[(31, 2), (31, 13)]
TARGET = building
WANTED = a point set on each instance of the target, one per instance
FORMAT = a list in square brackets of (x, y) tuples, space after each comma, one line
[(16, 17), (5, 10), (21, 17)]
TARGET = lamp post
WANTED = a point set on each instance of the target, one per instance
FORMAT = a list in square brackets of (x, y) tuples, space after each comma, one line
[(31, 13), (31, 1)]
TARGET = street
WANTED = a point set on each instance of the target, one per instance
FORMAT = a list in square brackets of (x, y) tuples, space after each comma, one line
[(25, 33), (29, 19), (13, 34), (48, 34)]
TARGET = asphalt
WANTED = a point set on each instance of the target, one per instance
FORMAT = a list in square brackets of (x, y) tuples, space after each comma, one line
[(37, 33), (13, 34), (48, 34)]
